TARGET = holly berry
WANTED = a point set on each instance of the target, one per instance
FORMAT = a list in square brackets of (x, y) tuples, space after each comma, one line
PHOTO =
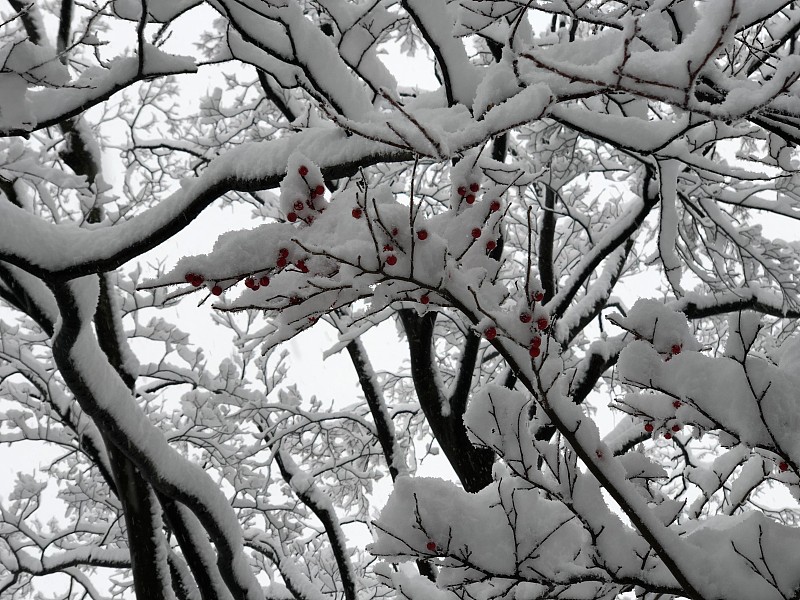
[(298, 205), (216, 290), (490, 333), (189, 277), (303, 170), (197, 280), (462, 191), (474, 187), (431, 546), (538, 296), (295, 300), (491, 245), (783, 467), (388, 247), (542, 323), (283, 253), (255, 287), (394, 231), (470, 198), (301, 264), (249, 282), (281, 262), (292, 217), (525, 317), (676, 348), (310, 219), (534, 351), (648, 427), (320, 190), (536, 341), (676, 428), (676, 404), (312, 319), (391, 260), (424, 299), (356, 213), (668, 436), (494, 206), (476, 232), (264, 280), (422, 235)]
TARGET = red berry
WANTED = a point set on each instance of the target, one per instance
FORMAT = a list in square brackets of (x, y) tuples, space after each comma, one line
[(197, 280), (255, 287), (301, 264), (422, 235), (648, 427), (312, 319), (676, 404), (292, 217), (470, 198), (189, 277), (298, 205), (431, 546), (462, 191), (356, 213), (783, 466), (668, 436), (494, 206), (424, 299), (491, 245), (388, 247), (303, 170), (283, 253), (216, 290), (534, 351), (542, 323), (249, 282), (310, 219), (536, 341), (281, 262), (474, 187), (294, 300), (394, 231), (313, 194), (264, 280), (676, 428), (525, 317), (538, 296), (490, 333), (320, 189), (391, 260), (676, 349), (476, 232)]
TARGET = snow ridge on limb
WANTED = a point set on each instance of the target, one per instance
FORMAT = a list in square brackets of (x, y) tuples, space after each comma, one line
[(246, 168), (50, 106), (106, 398)]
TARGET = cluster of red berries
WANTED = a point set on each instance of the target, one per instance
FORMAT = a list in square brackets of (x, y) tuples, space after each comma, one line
[(541, 324), (251, 282), (469, 195), (254, 284), (391, 259), (649, 427), (198, 280), (301, 206)]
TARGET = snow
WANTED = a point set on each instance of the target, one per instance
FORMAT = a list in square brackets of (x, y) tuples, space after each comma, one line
[(573, 510)]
